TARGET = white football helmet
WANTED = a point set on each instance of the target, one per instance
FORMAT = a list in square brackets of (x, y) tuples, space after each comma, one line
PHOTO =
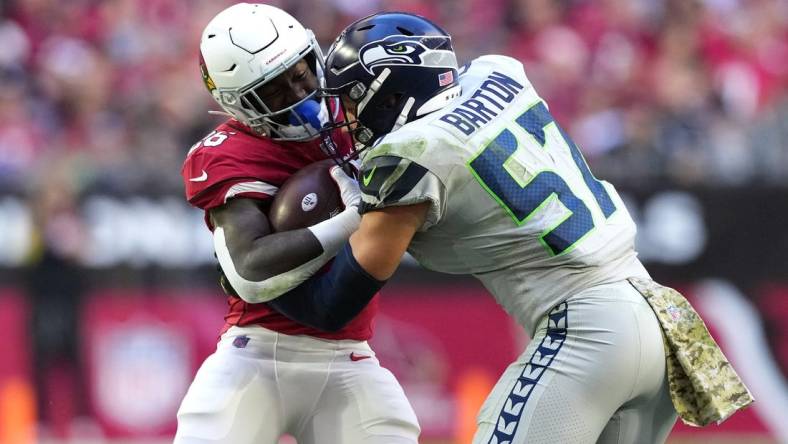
[(247, 45)]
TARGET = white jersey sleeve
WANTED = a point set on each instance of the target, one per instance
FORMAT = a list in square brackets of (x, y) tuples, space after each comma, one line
[(388, 180)]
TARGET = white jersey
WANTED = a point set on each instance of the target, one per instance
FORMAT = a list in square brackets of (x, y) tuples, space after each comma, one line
[(512, 200)]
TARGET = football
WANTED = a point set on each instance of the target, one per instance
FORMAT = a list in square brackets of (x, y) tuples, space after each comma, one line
[(309, 196)]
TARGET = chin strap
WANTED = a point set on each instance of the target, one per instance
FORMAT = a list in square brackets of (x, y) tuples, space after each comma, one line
[(307, 113), (305, 120)]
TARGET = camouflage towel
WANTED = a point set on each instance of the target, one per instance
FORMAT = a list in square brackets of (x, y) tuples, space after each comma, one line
[(703, 385)]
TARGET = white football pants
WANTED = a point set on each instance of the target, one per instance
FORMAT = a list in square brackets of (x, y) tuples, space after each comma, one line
[(594, 372), (260, 384)]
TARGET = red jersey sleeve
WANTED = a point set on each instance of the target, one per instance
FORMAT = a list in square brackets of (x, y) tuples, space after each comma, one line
[(233, 162), (219, 168)]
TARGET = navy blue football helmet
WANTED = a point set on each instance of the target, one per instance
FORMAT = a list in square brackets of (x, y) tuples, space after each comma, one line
[(392, 68)]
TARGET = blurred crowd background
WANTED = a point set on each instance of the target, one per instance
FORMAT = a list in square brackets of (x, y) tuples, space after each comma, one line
[(105, 98), (107, 93)]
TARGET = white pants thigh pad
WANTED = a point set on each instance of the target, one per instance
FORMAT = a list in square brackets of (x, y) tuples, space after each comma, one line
[(260, 385), (593, 372)]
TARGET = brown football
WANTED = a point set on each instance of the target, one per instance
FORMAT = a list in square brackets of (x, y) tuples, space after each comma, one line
[(309, 196)]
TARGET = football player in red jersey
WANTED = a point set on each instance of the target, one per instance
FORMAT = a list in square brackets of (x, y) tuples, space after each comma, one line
[(271, 375)]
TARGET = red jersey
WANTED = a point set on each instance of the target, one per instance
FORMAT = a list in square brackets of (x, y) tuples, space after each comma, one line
[(233, 162)]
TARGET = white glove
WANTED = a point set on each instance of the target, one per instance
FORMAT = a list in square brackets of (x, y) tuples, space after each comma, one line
[(348, 187), (333, 233), (356, 164)]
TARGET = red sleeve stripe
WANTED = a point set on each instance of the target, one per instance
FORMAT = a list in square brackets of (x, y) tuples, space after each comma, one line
[(250, 187)]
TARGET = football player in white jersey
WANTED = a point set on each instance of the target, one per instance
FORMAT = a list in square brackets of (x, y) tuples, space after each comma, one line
[(467, 170)]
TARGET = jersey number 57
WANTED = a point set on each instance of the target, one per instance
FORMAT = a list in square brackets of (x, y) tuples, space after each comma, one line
[(523, 201)]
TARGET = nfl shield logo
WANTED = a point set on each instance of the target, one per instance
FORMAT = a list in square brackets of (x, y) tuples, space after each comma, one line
[(446, 78), (240, 341)]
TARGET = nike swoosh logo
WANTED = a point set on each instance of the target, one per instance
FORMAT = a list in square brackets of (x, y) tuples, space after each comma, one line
[(354, 357), (368, 177), (201, 178)]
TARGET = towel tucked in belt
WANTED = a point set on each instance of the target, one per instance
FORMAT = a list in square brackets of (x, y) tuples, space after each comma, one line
[(704, 386)]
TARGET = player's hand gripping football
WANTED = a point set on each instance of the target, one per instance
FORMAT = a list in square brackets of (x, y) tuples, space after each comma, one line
[(334, 232), (348, 187)]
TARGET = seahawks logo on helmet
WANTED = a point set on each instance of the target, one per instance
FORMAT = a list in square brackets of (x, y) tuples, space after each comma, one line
[(398, 50)]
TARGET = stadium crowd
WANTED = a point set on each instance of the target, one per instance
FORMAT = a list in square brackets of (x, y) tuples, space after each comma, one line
[(107, 95)]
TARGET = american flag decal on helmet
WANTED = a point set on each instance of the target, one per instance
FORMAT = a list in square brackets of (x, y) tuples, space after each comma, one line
[(446, 78)]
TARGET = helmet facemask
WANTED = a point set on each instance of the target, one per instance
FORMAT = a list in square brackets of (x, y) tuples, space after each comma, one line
[(348, 97), (300, 121), (369, 113)]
